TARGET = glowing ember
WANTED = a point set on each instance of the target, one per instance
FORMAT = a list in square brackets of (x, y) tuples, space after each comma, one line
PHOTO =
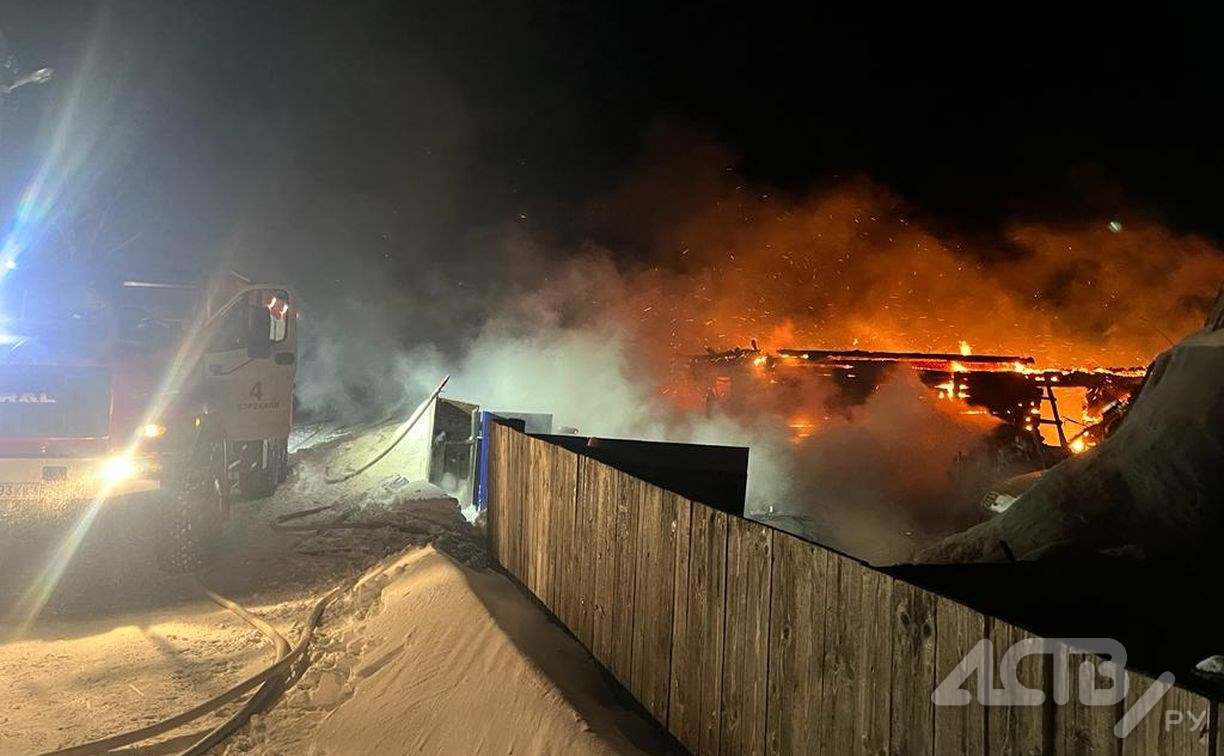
[(965, 349), (801, 428)]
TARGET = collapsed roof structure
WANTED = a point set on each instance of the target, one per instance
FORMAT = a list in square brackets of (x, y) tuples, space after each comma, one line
[(1008, 387), (1153, 489)]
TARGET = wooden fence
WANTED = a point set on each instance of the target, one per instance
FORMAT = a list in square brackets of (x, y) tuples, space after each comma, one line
[(741, 639)]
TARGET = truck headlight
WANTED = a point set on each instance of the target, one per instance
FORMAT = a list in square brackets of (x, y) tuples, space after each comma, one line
[(153, 430), (118, 468)]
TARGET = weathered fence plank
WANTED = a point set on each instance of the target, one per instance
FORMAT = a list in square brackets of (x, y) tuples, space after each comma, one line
[(959, 630), (1082, 729), (1179, 725), (913, 670), (714, 623), (585, 517), (1017, 730), (843, 624), (629, 503), (683, 699), (746, 648), (502, 494), (512, 500), (874, 687), (537, 503), (606, 500), (522, 480), (796, 638), (697, 652), (824, 620), (563, 556), (654, 599), (493, 522)]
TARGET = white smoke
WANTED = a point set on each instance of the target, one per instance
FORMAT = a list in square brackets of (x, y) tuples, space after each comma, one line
[(866, 481)]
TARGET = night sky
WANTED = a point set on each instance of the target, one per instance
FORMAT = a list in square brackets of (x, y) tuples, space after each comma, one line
[(390, 130)]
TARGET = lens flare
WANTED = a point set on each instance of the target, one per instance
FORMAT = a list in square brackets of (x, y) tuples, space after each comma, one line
[(118, 469), (73, 157)]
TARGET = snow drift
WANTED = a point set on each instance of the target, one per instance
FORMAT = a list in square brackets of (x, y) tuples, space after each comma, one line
[(428, 656)]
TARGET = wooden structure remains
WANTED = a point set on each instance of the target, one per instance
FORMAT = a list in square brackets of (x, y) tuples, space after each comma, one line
[(741, 639)]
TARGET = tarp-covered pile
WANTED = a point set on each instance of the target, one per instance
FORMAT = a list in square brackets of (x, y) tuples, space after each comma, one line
[(1155, 489)]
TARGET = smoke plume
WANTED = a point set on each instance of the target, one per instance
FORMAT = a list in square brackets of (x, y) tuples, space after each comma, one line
[(591, 317)]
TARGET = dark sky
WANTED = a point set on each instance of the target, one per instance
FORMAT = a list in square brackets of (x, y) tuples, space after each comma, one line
[(382, 126)]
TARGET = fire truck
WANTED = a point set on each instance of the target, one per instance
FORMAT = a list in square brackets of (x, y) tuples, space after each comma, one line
[(114, 388)]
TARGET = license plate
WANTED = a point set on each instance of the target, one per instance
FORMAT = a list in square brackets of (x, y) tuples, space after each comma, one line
[(21, 490)]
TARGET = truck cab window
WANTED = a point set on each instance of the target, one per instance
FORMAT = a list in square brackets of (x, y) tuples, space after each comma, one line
[(277, 303), (235, 332)]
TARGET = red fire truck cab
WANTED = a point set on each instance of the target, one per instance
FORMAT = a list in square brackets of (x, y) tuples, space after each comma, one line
[(118, 388)]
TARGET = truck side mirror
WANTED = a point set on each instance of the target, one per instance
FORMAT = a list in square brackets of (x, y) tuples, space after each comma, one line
[(259, 337)]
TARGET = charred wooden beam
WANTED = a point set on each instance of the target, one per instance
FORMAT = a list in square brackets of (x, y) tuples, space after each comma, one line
[(874, 356)]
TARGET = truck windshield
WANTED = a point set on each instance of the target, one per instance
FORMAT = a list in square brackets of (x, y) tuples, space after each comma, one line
[(64, 323), (80, 323), (152, 316)]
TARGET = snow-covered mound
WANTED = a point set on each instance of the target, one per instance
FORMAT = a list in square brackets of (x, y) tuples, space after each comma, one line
[(429, 656), (1154, 489)]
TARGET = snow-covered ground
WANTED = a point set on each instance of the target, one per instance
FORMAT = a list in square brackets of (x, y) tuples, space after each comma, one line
[(429, 652), (79, 680), (429, 656)]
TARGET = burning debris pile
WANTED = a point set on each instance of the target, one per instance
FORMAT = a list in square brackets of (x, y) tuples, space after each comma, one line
[(1006, 387), (1152, 489), (891, 450)]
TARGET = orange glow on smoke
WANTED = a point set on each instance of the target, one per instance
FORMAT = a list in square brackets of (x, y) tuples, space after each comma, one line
[(801, 428), (849, 268), (723, 261)]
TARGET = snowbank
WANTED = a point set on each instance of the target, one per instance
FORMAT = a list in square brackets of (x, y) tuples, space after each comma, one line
[(428, 656)]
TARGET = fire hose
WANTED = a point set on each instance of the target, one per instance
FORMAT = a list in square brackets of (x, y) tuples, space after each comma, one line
[(400, 434), (272, 680), (269, 681), (263, 697)]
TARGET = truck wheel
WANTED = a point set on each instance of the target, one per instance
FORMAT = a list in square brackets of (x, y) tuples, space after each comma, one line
[(189, 523), (262, 483), (283, 445)]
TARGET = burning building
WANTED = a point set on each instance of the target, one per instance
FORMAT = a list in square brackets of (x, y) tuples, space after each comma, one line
[(1007, 387)]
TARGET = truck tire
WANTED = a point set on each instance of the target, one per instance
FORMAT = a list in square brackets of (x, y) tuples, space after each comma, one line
[(261, 483), (284, 460), (189, 519)]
